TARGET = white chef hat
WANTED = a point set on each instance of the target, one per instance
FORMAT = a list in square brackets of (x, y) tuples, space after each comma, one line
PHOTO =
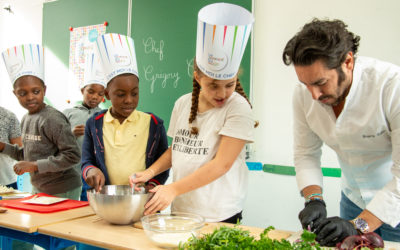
[(22, 60), (93, 72), (117, 54), (222, 33)]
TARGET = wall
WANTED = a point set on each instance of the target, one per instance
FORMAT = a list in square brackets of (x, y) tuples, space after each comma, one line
[(24, 25), (274, 199)]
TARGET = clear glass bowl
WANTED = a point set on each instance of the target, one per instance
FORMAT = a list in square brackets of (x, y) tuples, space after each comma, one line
[(168, 230)]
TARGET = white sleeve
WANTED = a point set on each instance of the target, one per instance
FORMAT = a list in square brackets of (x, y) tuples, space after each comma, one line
[(172, 121), (386, 203), (307, 146), (239, 121)]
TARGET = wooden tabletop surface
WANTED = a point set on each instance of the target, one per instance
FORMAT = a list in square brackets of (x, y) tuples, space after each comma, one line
[(29, 222), (95, 231)]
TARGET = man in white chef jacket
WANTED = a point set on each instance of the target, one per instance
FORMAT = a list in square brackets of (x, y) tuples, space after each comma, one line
[(352, 104)]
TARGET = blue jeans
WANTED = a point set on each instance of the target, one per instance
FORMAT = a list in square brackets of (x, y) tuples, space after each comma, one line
[(349, 211)]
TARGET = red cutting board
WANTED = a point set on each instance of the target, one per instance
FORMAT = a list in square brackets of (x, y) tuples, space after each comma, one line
[(60, 206)]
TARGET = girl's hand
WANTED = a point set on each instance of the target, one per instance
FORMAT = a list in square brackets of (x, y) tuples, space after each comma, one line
[(162, 198), (25, 166), (140, 178)]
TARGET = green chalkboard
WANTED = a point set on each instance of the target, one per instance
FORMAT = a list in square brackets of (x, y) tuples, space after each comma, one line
[(164, 32), (58, 16), (165, 40)]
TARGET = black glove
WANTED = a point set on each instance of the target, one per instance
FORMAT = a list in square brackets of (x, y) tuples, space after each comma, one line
[(313, 213), (333, 230)]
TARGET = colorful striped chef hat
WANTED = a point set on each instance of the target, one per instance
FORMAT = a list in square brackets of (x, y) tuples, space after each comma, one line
[(22, 60), (93, 73), (117, 54), (222, 33)]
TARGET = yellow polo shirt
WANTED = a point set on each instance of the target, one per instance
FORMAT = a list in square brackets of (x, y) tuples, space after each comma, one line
[(125, 145)]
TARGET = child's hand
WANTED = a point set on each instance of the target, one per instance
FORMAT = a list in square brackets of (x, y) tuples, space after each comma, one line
[(79, 130), (2, 146), (25, 166), (95, 178), (162, 198), (139, 178)]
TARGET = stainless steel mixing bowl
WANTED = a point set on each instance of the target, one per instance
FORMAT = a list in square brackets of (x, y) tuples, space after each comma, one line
[(118, 204)]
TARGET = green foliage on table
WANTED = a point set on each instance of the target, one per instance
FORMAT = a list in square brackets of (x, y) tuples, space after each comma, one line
[(237, 238)]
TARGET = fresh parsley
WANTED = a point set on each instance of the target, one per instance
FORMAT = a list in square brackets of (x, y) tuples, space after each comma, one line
[(236, 238)]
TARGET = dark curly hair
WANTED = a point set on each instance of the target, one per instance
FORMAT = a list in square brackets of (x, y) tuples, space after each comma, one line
[(325, 40)]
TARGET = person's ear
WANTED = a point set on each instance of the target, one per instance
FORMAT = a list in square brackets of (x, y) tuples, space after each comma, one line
[(196, 76), (106, 94), (349, 61)]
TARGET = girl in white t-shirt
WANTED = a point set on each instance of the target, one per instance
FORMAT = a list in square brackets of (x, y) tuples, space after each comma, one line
[(210, 126), (209, 130)]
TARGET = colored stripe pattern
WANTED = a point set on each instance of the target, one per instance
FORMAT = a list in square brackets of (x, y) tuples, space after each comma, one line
[(226, 32)]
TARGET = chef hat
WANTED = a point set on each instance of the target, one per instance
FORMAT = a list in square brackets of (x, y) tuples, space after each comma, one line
[(93, 73), (222, 33), (22, 60), (117, 54)]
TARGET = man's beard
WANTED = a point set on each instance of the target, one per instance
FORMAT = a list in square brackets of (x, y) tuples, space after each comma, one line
[(341, 79)]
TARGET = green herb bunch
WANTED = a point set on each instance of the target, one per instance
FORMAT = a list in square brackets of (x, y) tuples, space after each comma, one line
[(237, 238)]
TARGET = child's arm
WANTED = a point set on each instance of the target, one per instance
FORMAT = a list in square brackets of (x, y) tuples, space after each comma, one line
[(162, 177), (93, 176), (228, 151), (58, 130), (12, 150)]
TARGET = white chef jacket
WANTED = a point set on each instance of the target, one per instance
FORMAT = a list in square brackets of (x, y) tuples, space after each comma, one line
[(365, 136)]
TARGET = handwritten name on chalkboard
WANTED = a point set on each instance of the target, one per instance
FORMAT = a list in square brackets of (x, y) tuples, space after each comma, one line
[(152, 76), (189, 63), (152, 46)]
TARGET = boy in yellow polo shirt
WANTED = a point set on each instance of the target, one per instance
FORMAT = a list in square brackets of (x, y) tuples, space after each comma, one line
[(121, 141)]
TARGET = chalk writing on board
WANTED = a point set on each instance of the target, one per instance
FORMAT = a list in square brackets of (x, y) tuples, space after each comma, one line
[(164, 77), (152, 46), (189, 63)]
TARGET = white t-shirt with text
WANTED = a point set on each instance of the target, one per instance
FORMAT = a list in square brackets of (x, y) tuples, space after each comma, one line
[(224, 197)]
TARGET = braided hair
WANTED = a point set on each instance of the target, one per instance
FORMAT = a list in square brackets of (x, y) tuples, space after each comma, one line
[(195, 99)]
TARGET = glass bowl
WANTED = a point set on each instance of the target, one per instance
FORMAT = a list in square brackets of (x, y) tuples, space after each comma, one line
[(168, 230)]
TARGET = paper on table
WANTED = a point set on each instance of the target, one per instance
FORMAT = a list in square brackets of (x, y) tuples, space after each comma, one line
[(6, 190), (44, 200)]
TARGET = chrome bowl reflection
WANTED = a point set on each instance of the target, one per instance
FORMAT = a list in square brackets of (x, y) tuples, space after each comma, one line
[(118, 204)]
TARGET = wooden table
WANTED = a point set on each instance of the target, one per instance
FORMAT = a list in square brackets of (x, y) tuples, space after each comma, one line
[(23, 225), (95, 231), (29, 222)]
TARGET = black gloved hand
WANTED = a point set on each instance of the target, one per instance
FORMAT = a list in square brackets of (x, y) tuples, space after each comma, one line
[(333, 230), (313, 213)]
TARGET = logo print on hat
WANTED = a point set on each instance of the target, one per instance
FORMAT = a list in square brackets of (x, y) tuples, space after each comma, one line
[(26, 59), (222, 33), (117, 53)]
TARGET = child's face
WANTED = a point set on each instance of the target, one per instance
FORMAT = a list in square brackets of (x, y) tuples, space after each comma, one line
[(30, 92), (123, 92), (93, 94), (214, 92)]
